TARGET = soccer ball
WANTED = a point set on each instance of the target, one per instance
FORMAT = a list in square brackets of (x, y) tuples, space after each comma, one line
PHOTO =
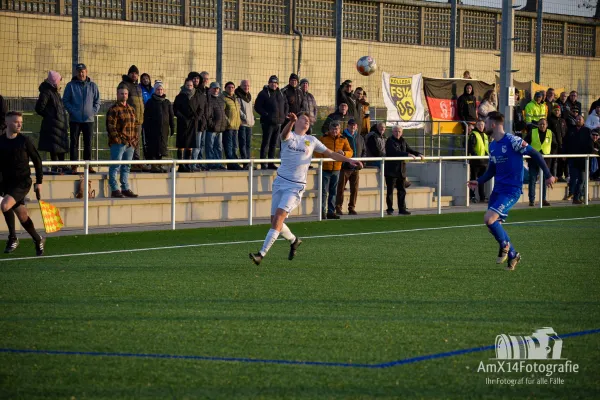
[(366, 65)]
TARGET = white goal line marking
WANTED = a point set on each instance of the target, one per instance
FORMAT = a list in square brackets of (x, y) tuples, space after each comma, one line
[(185, 246)]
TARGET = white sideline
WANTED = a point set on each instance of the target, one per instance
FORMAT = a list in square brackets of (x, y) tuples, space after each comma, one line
[(183, 246)]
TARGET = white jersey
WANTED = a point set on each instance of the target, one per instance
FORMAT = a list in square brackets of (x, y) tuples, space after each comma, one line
[(296, 153)]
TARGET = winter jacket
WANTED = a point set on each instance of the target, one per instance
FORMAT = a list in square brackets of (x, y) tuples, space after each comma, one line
[(354, 109), (232, 112), (245, 103), (466, 105), (53, 133), (534, 112), (486, 107), (135, 99), (158, 124), (189, 112), (216, 118), (147, 92), (201, 101), (357, 144), (272, 106), (335, 144), (121, 125), (558, 126), (82, 100), (336, 116), (397, 148), (571, 106), (593, 121), (375, 143), (594, 104), (578, 142), (311, 107), (542, 136), (295, 99), (518, 120), (365, 123), (3, 111)]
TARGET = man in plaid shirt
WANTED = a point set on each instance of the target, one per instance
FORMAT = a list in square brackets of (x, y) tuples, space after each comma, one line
[(122, 140)]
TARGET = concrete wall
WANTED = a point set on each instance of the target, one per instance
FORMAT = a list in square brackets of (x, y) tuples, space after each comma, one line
[(32, 44)]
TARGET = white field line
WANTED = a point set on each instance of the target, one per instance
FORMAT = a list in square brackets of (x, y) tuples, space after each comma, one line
[(184, 246)]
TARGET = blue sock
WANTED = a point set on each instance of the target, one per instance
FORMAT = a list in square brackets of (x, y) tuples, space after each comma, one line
[(498, 232), (512, 253)]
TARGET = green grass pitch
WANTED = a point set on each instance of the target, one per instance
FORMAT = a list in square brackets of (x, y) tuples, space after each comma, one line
[(355, 301)]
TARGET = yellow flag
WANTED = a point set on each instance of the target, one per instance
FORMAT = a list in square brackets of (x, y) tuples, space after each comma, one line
[(51, 217)]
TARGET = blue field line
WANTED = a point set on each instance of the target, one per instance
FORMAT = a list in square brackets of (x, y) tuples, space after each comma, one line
[(395, 363)]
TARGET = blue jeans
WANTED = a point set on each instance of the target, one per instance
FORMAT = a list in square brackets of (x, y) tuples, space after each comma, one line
[(214, 147), (120, 152), (230, 143), (534, 170), (575, 180), (330, 182), (245, 139), (197, 152)]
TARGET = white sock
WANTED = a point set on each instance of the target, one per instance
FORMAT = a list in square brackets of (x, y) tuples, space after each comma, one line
[(287, 234), (272, 236)]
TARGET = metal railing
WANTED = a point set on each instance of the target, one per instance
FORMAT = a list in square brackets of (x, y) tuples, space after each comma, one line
[(252, 162)]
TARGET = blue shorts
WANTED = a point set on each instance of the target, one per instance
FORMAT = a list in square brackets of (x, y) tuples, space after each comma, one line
[(501, 203)]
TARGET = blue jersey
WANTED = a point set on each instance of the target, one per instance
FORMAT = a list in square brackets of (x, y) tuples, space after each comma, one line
[(507, 156)]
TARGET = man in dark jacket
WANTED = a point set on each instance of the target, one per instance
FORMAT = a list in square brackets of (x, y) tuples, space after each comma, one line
[(53, 132), (573, 108), (188, 111), (466, 105), (82, 101), (478, 146), (311, 103), (3, 111), (345, 94), (375, 143), (395, 171), (558, 126), (294, 96), (158, 124), (136, 101), (272, 107), (594, 105), (200, 94), (216, 125), (349, 172), (341, 116), (577, 142)]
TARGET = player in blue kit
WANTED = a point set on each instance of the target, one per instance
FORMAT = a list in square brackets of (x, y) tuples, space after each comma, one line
[(506, 166)]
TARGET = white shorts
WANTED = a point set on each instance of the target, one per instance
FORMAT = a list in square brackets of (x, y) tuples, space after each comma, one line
[(286, 195)]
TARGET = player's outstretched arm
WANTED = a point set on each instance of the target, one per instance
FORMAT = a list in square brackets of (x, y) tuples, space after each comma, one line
[(488, 174), (539, 159), (338, 157), (285, 133)]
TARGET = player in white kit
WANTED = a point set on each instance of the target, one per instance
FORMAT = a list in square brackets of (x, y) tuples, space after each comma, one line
[(296, 152)]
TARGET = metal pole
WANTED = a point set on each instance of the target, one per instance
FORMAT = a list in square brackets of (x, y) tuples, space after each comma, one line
[(250, 190), (439, 188), (75, 34), (452, 36), (587, 180), (86, 200), (542, 184), (97, 136), (173, 192), (381, 186), (339, 35), (538, 42), (219, 41), (320, 186), (506, 60), (468, 179)]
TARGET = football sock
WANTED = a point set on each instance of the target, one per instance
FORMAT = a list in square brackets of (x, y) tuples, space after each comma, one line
[(287, 234), (9, 217), (511, 251), (269, 240), (498, 232), (28, 225)]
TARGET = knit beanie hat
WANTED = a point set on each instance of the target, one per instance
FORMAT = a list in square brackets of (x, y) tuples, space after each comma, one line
[(133, 68), (158, 84), (294, 76), (54, 78)]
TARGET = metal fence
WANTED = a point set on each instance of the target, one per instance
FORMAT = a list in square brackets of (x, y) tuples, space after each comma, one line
[(252, 162)]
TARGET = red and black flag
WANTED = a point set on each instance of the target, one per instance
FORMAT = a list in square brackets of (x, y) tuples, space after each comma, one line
[(441, 95)]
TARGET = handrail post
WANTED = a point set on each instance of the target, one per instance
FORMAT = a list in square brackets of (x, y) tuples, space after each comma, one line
[(86, 200), (439, 188), (97, 136), (587, 180), (381, 186), (173, 193), (468, 179), (320, 186), (250, 190), (466, 140), (542, 185)]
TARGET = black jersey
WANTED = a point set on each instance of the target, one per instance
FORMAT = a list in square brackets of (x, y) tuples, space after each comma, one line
[(15, 155)]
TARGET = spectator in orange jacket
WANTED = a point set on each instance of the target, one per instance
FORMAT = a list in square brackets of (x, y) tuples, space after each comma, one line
[(334, 141)]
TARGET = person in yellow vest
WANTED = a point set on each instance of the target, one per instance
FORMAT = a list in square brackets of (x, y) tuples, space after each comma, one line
[(534, 111), (541, 139), (478, 146)]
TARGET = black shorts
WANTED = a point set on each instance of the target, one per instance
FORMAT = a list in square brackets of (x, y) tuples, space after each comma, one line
[(17, 192)]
